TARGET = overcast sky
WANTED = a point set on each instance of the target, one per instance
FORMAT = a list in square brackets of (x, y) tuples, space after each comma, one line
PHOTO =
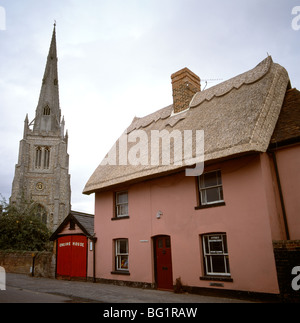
[(115, 62)]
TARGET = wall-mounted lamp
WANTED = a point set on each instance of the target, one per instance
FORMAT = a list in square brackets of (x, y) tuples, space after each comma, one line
[(159, 214)]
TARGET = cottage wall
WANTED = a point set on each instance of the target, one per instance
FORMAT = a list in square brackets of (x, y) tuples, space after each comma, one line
[(245, 219), (271, 191), (288, 161)]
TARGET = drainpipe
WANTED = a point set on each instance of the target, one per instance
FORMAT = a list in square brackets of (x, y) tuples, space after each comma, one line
[(281, 195), (94, 240), (94, 261)]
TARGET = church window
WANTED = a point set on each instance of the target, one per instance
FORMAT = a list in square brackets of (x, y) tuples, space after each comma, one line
[(46, 158), (38, 157), (42, 157), (41, 214), (47, 111)]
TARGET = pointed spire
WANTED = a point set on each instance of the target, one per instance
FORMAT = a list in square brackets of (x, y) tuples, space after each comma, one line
[(26, 126), (48, 111), (53, 51), (66, 138), (62, 127)]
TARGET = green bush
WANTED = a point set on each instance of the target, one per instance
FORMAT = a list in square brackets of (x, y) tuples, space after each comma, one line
[(21, 229)]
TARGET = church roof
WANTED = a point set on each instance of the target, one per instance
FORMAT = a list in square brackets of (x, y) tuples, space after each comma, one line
[(238, 116)]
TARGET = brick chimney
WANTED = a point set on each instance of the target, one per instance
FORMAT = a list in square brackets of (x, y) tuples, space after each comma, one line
[(184, 85)]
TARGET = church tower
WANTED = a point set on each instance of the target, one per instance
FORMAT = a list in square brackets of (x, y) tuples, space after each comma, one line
[(42, 172)]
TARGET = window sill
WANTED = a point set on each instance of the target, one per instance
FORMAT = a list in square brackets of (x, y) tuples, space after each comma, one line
[(120, 218), (120, 272), (206, 206), (218, 278)]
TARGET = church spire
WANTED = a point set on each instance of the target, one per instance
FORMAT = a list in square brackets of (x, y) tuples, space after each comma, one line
[(48, 114), (42, 173)]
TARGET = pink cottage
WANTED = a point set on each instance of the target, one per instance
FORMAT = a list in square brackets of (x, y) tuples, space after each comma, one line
[(221, 229)]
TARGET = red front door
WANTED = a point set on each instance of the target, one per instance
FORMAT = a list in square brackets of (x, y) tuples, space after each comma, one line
[(164, 276), (71, 256)]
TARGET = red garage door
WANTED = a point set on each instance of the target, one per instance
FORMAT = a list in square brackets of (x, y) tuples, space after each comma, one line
[(71, 256)]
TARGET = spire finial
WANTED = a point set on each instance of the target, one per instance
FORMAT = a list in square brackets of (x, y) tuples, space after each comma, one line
[(54, 23)]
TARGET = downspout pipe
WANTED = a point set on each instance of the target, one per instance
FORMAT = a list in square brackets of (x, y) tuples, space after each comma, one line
[(94, 240), (94, 260), (281, 195)]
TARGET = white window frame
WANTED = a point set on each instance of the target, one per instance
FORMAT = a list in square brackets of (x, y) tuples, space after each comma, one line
[(120, 257), (209, 254), (203, 188), (119, 205)]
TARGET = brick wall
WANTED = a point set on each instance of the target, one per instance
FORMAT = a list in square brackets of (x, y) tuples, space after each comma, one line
[(287, 256), (20, 262), (184, 85)]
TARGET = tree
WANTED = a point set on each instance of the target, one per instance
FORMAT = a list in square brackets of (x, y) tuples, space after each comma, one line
[(21, 229)]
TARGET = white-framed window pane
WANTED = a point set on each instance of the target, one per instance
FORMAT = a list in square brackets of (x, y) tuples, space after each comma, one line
[(122, 204), (210, 187), (122, 197), (210, 179), (218, 264), (216, 247), (212, 195), (122, 256), (122, 209), (122, 247), (215, 253), (122, 263)]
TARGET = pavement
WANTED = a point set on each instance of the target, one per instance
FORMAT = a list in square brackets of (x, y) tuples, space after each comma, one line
[(27, 289)]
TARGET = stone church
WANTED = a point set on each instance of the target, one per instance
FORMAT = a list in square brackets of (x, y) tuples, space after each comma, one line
[(42, 171)]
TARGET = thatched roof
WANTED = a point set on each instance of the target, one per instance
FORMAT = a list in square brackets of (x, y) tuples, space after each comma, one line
[(238, 116), (287, 130)]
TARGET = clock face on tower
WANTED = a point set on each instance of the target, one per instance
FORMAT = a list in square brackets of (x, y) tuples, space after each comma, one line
[(39, 186)]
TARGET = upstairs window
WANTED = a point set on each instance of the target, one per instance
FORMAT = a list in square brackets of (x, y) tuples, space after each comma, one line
[(121, 204), (210, 189)]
